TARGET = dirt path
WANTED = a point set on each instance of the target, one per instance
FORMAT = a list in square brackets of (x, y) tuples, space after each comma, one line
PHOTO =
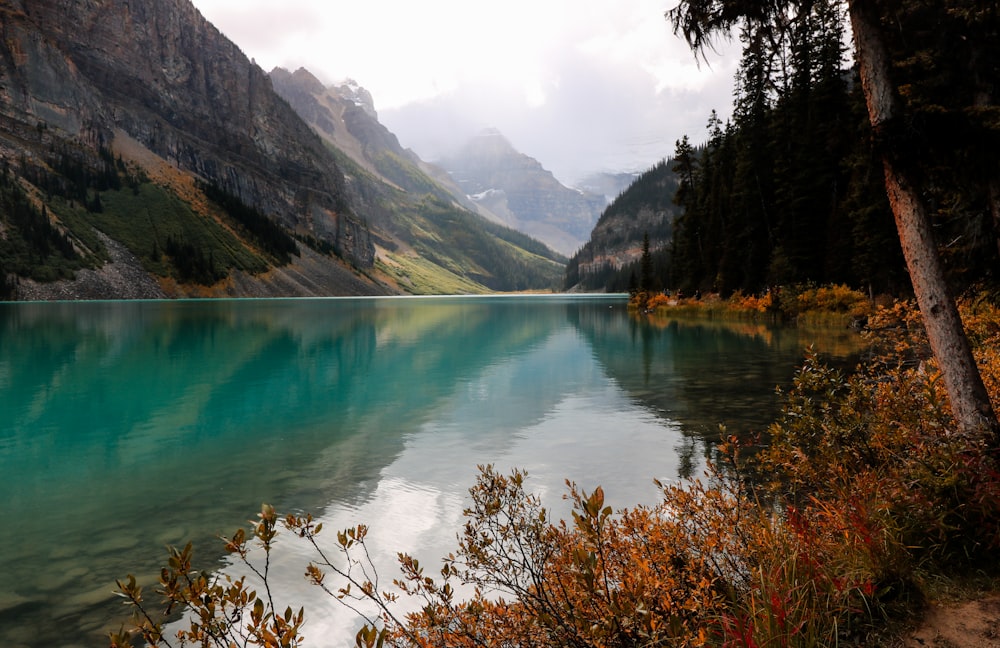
[(972, 624)]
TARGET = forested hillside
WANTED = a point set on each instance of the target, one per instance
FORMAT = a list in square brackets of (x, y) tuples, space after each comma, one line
[(644, 211), (791, 190)]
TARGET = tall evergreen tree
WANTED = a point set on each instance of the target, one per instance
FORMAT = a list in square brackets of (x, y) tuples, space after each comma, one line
[(684, 244), (646, 266), (749, 169)]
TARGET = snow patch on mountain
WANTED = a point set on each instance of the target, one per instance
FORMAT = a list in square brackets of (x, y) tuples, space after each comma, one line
[(489, 194)]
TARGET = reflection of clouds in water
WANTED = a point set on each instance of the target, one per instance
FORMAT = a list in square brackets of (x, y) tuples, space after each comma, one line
[(600, 440), (402, 516), (594, 436)]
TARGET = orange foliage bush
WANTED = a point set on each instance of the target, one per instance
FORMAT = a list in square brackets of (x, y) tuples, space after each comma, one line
[(658, 300), (758, 303), (885, 437), (603, 579), (831, 299)]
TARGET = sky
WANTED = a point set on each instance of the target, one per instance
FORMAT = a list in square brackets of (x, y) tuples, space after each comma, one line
[(580, 85)]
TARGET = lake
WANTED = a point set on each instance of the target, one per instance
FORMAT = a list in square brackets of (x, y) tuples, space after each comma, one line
[(129, 426)]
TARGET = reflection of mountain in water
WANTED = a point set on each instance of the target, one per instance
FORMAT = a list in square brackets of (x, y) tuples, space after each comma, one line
[(705, 373), (149, 424)]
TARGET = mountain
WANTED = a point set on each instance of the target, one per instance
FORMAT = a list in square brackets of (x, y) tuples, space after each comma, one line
[(645, 209), (417, 213), (517, 191), (143, 155)]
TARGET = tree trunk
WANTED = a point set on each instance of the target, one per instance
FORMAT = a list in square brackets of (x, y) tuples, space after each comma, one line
[(994, 198), (969, 399)]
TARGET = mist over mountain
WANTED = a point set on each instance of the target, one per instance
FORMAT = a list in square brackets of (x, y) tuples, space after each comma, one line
[(486, 175), (519, 191), (607, 184)]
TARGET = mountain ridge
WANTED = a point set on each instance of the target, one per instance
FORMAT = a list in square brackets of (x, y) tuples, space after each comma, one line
[(80, 77), (645, 211)]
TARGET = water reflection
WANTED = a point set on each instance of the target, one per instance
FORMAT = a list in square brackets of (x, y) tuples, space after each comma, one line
[(128, 426), (705, 373)]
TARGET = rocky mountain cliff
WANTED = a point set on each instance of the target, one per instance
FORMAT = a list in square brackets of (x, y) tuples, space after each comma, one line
[(155, 85), (519, 192), (144, 155)]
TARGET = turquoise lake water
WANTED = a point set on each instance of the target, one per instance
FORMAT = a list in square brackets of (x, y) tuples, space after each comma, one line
[(129, 426)]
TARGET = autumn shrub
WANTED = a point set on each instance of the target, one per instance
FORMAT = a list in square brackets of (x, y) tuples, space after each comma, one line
[(762, 303), (221, 610), (827, 306), (836, 298), (603, 579), (886, 435), (659, 300), (644, 301), (709, 565), (638, 301)]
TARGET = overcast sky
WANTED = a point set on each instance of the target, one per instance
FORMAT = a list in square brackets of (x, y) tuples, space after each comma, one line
[(580, 85)]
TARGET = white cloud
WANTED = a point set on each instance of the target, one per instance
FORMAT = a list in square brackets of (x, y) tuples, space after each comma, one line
[(581, 85)]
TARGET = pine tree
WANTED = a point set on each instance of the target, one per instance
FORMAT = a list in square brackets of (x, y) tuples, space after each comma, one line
[(646, 266)]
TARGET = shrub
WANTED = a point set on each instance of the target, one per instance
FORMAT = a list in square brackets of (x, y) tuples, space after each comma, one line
[(605, 579), (886, 435), (222, 611), (827, 306), (754, 303), (834, 298), (658, 300)]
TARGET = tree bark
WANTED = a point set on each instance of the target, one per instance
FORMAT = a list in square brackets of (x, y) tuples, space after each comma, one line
[(994, 198), (967, 394)]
